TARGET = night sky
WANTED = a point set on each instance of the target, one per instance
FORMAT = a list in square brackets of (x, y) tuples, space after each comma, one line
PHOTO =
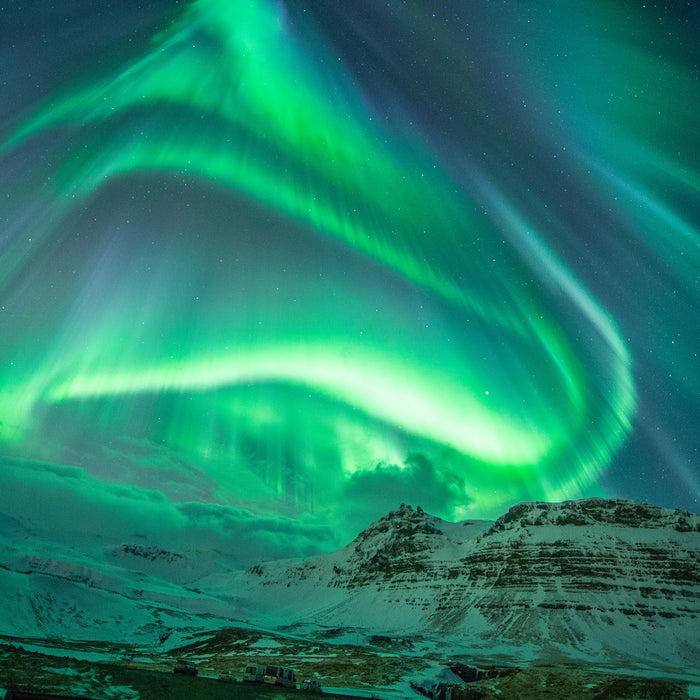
[(270, 269)]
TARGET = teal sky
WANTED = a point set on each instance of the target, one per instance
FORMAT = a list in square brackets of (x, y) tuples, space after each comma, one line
[(276, 268)]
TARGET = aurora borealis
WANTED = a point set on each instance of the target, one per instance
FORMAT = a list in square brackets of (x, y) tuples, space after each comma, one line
[(276, 267)]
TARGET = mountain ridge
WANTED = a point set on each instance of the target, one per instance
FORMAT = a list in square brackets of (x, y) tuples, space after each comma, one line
[(596, 578), (593, 580)]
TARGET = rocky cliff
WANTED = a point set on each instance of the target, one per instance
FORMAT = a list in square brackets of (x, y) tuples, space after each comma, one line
[(594, 578), (609, 582)]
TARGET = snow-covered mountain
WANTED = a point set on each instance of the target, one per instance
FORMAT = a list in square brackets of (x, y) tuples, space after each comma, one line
[(607, 581), (592, 579), (131, 593)]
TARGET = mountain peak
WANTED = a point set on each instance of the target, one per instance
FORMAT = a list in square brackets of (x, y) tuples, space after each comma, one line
[(615, 512), (396, 542), (404, 522)]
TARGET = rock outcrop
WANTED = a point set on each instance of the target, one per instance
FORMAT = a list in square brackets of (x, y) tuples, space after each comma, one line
[(595, 578)]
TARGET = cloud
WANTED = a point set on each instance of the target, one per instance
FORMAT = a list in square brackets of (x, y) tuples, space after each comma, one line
[(373, 493), (64, 504)]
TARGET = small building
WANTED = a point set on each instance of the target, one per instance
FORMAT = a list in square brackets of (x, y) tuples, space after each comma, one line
[(254, 674), (279, 675)]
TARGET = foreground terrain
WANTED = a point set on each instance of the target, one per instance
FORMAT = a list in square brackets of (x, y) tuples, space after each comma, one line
[(131, 674), (580, 597)]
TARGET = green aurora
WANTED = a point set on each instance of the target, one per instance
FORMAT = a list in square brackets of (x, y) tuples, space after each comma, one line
[(335, 303)]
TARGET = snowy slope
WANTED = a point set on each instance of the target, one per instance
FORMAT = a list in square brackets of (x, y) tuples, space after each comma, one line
[(132, 593), (606, 581), (594, 579)]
